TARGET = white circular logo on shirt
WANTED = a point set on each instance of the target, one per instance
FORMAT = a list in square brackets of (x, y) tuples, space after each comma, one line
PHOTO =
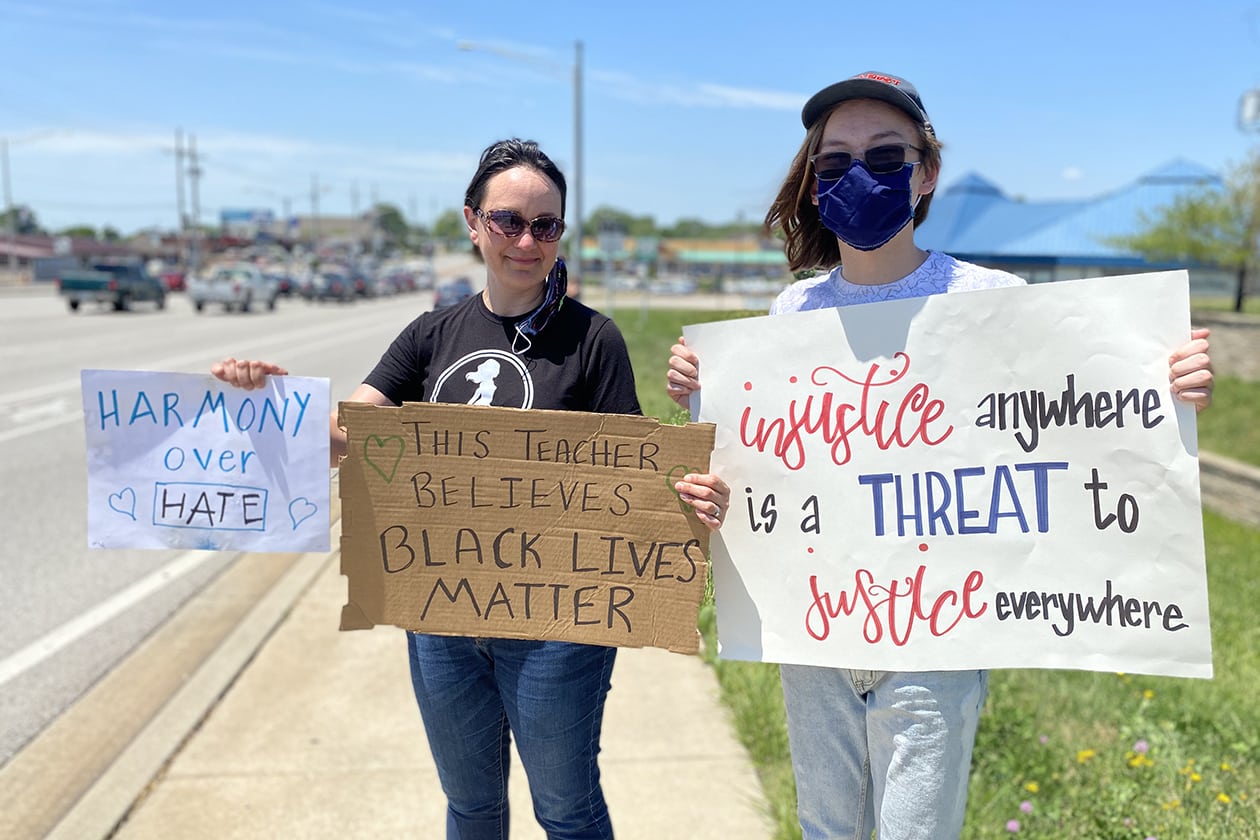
[(486, 377)]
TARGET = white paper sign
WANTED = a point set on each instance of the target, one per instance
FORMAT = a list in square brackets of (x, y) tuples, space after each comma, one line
[(180, 460), (992, 479)]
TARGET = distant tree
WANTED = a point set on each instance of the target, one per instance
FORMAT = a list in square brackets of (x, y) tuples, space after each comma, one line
[(631, 224), (688, 228), (1209, 227), (79, 232), (20, 219), (110, 234), (389, 219), (450, 225)]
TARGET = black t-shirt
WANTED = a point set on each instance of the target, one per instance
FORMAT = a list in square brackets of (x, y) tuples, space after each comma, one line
[(463, 354)]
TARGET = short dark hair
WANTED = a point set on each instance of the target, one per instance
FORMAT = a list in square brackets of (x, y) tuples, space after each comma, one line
[(503, 155)]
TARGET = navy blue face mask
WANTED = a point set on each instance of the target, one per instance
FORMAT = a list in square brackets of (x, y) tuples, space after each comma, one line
[(554, 297), (866, 209)]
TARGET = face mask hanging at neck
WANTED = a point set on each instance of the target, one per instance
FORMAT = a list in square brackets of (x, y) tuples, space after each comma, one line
[(865, 209), (553, 298)]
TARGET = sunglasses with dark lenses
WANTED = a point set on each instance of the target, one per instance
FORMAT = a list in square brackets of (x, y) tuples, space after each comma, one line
[(511, 224), (881, 160)]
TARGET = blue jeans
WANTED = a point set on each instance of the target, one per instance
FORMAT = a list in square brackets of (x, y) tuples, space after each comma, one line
[(881, 750), (475, 694)]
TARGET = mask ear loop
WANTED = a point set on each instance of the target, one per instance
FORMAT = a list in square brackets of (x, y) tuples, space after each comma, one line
[(528, 343), (534, 323)]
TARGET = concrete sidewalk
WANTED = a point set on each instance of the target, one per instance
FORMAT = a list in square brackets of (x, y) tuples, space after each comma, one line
[(317, 736)]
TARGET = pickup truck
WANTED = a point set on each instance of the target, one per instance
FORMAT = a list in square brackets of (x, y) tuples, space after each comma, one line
[(118, 284), (236, 286)]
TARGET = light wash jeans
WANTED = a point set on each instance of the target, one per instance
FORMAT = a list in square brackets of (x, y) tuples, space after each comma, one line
[(475, 694), (881, 751)]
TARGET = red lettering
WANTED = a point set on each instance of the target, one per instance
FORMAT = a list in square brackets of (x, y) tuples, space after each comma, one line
[(894, 609), (839, 423)]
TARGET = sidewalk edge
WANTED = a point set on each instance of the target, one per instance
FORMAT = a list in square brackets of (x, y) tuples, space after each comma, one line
[(107, 802)]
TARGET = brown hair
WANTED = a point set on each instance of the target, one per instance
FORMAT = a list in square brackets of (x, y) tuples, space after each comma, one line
[(807, 243)]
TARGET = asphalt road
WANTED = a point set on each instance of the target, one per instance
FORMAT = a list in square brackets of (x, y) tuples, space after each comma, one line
[(69, 614)]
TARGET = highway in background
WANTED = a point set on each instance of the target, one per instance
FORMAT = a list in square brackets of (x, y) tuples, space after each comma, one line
[(69, 614)]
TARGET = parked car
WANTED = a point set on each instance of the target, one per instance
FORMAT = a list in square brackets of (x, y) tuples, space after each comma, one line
[(329, 285), (117, 284), (452, 292), (285, 285), (174, 281), (237, 286)]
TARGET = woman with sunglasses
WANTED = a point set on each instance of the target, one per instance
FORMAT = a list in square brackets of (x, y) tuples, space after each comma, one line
[(888, 752), (519, 343)]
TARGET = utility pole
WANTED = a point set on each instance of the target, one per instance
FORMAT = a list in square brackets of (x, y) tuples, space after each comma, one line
[(10, 213), (575, 253), (194, 175), (315, 213), (179, 195)]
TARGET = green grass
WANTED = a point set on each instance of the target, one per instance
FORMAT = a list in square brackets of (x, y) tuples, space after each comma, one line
[(1104, 756), (1097, 756), (1229, 427), (1223, 303)]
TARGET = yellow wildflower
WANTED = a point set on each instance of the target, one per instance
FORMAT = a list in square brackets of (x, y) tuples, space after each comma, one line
[(1148, 694), (1171, 805), (1223, 798), (1083, 756), (1032, 787)]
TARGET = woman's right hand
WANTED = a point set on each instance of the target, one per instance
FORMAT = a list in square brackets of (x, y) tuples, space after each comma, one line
[(244, 373), (683, 376)]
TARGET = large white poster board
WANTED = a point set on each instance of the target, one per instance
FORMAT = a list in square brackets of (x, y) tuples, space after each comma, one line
[(993, 479), (180, 460)]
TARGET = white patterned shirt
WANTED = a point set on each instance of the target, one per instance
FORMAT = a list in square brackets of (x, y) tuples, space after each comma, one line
[(940, 273)]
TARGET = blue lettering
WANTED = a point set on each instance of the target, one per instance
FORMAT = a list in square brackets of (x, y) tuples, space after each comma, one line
[(215, 403), (105, 415), (169, 402), (965, 514), (142, 400), (246, 406), (1040, 482), (1002, 479)]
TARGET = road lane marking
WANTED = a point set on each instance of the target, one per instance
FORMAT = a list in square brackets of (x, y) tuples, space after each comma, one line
[(52, 643), (77, 415)]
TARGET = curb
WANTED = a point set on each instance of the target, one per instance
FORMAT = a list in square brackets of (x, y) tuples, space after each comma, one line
[(1230, 488), (108, 801)]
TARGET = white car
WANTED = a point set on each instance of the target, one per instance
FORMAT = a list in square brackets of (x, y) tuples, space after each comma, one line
[(239, 286)]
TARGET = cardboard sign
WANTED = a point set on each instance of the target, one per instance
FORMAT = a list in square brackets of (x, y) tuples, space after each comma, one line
[(991, 479), (525, 524), (179, 460)]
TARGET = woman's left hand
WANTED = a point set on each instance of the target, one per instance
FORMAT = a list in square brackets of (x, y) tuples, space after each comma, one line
[(708, 494), (1190, 370)]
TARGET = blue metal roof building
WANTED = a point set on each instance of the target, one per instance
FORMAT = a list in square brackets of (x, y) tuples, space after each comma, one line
[(974, 220)]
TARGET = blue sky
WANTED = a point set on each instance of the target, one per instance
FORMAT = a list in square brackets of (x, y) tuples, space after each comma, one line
[(690, 109)]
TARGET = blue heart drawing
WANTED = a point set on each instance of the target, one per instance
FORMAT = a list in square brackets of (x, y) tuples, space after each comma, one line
[(124, 502), (300, 510)]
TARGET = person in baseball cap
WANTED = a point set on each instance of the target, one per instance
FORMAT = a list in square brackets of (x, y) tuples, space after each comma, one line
[(887, 752), (869, 85)]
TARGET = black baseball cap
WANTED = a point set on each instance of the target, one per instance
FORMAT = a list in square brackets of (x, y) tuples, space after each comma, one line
[(869, 85)]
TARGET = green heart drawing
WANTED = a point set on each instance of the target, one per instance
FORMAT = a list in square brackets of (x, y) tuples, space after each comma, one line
[(388, 451), (682, 469)]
